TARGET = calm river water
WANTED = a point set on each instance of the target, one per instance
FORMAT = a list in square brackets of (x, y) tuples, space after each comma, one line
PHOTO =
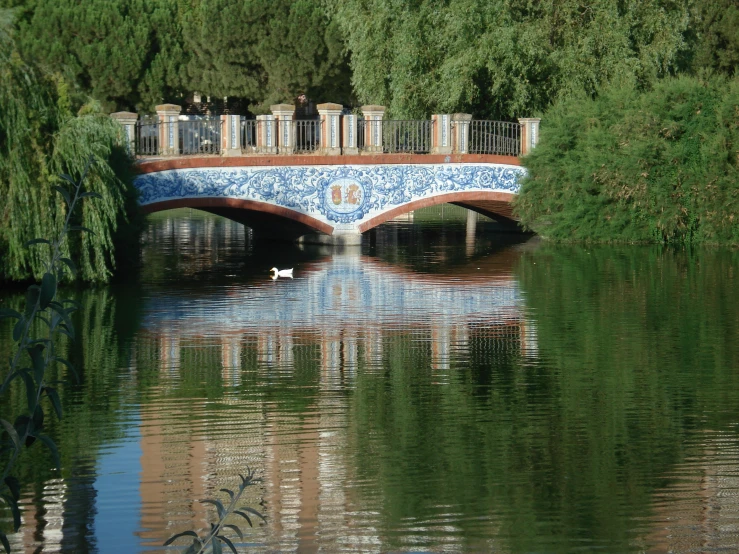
[(430, 391)]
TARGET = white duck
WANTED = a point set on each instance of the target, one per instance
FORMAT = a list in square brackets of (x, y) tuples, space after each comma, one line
[(281, 273)]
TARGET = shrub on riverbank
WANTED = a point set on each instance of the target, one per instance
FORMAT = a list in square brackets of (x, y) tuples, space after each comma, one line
[(654, 166), (40, 138)]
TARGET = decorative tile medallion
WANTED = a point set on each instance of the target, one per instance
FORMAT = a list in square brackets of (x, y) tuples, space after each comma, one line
[(333, 194)]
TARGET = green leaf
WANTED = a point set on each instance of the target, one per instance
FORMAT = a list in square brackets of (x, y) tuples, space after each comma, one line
[(235, 529), (230, 493), (18, 329), (14, 486), (216, 546), (32, 294), (228, 543), (38, 418), (6, 544), (48, 289), (54, 397), (12, 432), (13, 505), (9, 312), (64, 314), (36, 353), (52, 447), (23, 426), (91, 194), (69, 365), (246, 517), (253, 511), (218, 505), (30, 389), (64, 193), (69, 179), (37, 241), (63, 330), (70, 264), (81, 228), (173, 538)]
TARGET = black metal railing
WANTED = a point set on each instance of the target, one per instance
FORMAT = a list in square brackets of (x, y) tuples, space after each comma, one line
[(395, 135), (248, 133), (494, 137), (307, 134), (200, 136), (146, 137)]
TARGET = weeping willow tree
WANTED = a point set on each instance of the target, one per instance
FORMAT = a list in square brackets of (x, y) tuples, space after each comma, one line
[(40, 138)]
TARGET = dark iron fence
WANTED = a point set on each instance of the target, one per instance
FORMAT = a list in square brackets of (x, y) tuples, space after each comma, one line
[(248, 133), (201, 135), (495, 137), (146, 136), (395, 135), (307, 133)]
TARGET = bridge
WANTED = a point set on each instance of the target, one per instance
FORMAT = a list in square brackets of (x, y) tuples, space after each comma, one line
[(330, 178)]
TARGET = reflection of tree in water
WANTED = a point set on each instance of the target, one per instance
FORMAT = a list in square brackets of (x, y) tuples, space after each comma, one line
[(60, 510), (636, 371)]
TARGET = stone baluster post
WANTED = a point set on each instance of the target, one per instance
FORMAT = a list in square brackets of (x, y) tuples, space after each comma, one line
[(231, 135), (441, 134), (330, 128), (284, 114), (266, 134), (461, 132), (128, 122), (349, 135), (169, 134), (529, 133), (373, 116)]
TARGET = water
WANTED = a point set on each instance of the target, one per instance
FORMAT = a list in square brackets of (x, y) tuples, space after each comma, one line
[(432, 391)]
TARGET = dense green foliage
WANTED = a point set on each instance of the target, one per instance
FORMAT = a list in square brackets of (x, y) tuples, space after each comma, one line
[(503, 59), (134, 54), (499, 59), (658, 166), (41, 137)]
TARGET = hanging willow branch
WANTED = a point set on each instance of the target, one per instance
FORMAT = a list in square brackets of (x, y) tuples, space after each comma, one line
[(40, 138)]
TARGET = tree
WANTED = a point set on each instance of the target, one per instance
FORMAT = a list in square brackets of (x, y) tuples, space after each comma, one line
[(264, 51), (40, 138), (503, 58)]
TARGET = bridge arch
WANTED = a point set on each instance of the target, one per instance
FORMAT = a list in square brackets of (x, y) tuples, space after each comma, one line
[(496, 205), (290, 196), (262, 217)]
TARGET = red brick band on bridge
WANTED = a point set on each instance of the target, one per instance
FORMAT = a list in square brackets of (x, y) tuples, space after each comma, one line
[(191, 162)]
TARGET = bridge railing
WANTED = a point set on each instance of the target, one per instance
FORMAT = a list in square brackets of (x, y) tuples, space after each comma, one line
[(248, 134), (334, 132), (495, 137), (201, 135), (307, 133), (394, 136)]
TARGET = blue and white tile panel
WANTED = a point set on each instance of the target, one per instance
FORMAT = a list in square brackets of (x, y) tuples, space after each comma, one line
[(347, 194)]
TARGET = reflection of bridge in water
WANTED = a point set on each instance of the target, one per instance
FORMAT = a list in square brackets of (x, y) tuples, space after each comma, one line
[(348, 306), (344, 304)]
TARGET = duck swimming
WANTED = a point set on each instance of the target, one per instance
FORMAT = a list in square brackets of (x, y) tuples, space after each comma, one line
[(282, 273)]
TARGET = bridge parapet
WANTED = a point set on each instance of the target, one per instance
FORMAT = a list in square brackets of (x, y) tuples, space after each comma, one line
[(334, 132)]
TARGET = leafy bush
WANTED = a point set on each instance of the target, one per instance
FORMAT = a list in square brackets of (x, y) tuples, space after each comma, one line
[(655, 166)]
